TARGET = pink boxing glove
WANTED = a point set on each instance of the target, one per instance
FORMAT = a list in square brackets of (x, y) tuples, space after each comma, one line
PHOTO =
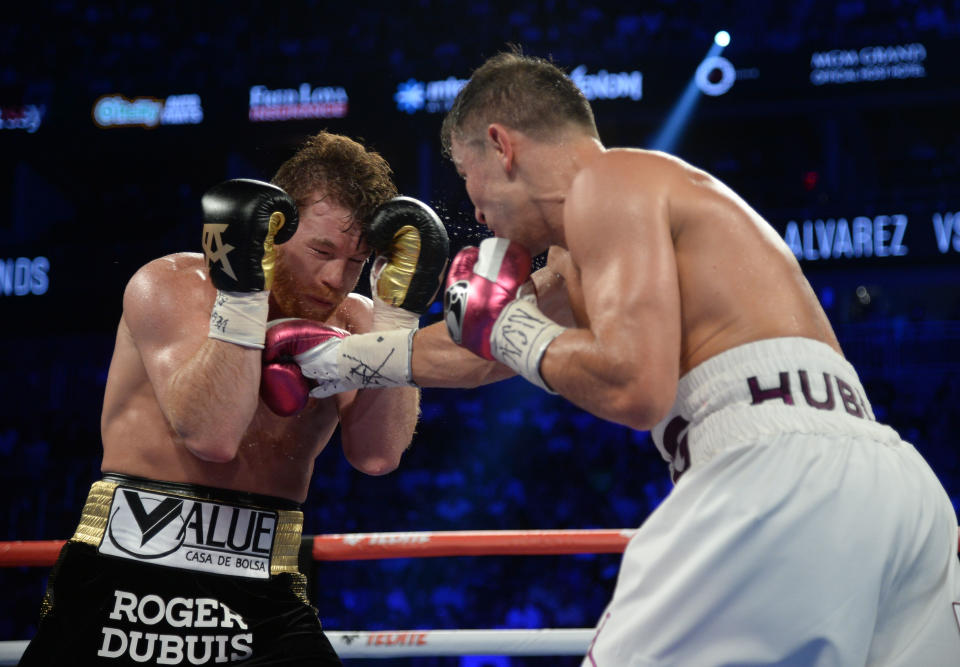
[(491, 310), (283, 386), (303, 358), (481, 283)]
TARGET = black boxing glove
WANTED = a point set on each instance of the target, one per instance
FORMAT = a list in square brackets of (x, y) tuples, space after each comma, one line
[(243, 219), (412, 248)]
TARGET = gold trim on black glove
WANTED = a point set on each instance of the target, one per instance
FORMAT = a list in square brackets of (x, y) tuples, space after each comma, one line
[(268, 263), (394, 281)]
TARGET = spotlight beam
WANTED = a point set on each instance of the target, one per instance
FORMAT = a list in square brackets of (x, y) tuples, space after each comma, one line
[(668, 136)]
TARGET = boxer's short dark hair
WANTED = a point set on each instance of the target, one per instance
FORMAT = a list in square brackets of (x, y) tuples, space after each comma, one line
[(522, 92)]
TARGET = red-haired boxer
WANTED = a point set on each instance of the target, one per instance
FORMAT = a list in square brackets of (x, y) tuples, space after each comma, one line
[(186, 552), (800, 531), (303, 358)]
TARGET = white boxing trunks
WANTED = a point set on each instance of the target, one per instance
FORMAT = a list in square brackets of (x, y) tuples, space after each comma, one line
[(800, 531)]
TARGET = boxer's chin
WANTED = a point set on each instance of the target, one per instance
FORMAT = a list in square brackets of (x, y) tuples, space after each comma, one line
[(294, 301)]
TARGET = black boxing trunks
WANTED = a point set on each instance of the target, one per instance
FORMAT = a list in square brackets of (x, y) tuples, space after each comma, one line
[(177, 574)]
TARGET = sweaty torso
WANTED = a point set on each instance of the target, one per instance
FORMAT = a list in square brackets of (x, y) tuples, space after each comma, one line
[(276, 455), (738, 281)]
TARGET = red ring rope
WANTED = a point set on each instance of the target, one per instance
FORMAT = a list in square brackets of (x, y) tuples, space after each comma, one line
[(367, 546)]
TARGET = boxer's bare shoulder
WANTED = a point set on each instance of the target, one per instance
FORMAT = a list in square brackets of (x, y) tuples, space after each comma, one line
[(355, 314), (176, 263), (167, 290), (167, 274)]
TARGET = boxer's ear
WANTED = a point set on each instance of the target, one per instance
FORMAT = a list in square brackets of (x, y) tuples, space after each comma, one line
[(500, 139)]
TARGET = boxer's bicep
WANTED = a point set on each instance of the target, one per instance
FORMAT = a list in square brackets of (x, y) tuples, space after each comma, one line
[(165, 318), (618, 234), (630, 286)]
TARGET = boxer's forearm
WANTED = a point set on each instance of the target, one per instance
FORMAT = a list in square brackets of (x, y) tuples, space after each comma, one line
[(377, 426), (212, 398), (612, 380), (438, 362)]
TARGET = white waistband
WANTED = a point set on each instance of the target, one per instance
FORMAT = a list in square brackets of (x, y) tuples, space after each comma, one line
[(759, 390)]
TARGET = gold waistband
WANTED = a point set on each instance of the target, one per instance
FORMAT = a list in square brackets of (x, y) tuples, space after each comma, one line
[(96, 511)]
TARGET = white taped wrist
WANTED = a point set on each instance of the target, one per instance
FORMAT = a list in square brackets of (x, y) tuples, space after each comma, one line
[(386, 316), (366, 361), (240, 317), (520, 338), (378, 359)]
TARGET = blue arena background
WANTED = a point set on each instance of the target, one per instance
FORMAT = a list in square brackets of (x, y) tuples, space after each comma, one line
[(837, 121)]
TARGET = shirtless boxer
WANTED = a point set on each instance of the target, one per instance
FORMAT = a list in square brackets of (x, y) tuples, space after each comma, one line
[(800, 531), (186, 552)]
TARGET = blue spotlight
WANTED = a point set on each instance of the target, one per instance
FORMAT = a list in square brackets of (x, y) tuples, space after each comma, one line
[(669, 134), (713, 77)]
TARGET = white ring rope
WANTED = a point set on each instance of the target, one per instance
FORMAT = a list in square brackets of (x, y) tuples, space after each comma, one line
[(426, 643), (394, 643)]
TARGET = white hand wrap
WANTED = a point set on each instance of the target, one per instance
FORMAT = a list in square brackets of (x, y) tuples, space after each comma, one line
[(363, 361), (520, 338), (240, 317), (386, 316)]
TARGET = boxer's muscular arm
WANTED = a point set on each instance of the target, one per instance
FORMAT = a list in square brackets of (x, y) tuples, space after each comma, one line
[(439, 362), (376, 425), (625, 367), (206, 388)]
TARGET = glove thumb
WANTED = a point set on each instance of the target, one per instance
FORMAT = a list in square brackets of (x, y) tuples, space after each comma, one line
[(461, 268)]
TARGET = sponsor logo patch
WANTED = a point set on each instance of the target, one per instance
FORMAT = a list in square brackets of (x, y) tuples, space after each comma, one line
[(454, 307), (174, 631), (189, 534)]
